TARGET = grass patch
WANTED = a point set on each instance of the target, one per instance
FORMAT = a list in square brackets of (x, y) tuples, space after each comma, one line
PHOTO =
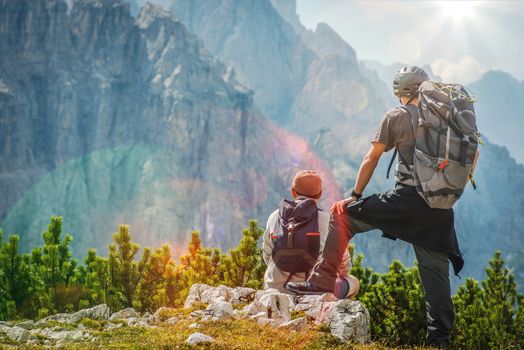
[(230, 334), (97, 325)]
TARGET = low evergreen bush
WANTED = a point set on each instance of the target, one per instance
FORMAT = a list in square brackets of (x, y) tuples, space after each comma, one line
[(488, 315)]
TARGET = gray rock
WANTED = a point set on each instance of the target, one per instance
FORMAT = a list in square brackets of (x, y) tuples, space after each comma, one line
[(29, 324), (218, 311), (298, 324), (255, 308), (162, 313), (110, 326), (142, 324), (172, 320), (194, 326), (348, 319), (96, 312), (62, 318), (261, 314), (132, 320), (17, 334), (317, 307), (125, 313), (204, 294), (350, 322), (277, 306), (149, 319), (197, 338), (197, 314), (268, 321), (62, 335), (242, 295)]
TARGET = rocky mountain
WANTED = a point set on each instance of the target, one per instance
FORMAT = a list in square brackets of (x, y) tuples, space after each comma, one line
[(330, 104), (109, 119), (337, 110), (267, 54), (499, 103)]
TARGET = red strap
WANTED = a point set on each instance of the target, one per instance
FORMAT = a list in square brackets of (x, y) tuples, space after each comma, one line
[(313, 234), (443, 164)]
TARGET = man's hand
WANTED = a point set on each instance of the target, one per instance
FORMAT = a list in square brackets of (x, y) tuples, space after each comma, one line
[(338, 207)]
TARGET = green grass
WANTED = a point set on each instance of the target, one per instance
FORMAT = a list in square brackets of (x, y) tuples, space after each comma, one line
[(230, 334)]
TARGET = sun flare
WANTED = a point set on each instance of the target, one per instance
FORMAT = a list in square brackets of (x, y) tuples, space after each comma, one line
[(459, 9)]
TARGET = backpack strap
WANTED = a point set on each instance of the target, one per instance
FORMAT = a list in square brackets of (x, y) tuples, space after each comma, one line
[(391, 162), (396, 151)]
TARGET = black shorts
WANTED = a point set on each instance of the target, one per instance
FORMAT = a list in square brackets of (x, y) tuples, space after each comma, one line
[(402, 213)]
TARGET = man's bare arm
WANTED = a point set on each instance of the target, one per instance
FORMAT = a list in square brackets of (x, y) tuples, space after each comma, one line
[(368, 166), (365, 173)]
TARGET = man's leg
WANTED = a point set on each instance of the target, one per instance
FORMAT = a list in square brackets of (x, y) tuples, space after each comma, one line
[(341, 229), (434, 273)]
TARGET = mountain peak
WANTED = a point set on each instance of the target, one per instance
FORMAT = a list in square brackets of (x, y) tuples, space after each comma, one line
[(327, 41), (151, 12)]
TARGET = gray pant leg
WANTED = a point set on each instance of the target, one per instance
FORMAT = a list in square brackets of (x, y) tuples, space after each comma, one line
[(434, 274)]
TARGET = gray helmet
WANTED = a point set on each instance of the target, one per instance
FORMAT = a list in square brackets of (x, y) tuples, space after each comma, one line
[(407, 80)]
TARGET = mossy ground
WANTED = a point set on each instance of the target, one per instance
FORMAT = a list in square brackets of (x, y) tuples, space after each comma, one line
[(231, 334)]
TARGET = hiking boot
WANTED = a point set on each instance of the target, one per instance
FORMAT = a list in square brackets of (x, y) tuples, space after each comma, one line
[(305, 288)]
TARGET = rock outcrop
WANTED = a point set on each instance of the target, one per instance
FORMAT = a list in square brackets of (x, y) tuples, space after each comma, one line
[(347, 320)]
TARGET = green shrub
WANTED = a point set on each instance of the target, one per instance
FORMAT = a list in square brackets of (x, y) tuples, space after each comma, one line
[(489, 316)]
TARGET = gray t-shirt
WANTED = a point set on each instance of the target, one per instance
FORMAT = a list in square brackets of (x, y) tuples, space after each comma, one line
[(396, 131)]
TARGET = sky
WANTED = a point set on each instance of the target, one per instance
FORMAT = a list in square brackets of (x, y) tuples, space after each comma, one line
[(459, 39)]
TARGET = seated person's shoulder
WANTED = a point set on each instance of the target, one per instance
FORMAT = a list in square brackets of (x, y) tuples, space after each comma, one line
[(323, 214), (323, 221), (273, 216)]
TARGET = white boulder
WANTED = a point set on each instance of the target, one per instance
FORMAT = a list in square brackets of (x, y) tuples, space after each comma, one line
[(218, 311), (242, 295), (17, 334), (276, 305), (125, 313), (204, 294), (197, 338), (298, 324)]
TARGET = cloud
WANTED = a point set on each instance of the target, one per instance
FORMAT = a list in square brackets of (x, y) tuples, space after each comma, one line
[(465, 71)]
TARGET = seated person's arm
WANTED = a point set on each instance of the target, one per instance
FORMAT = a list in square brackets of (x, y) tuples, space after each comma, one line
[(345, 266), (267, 244)]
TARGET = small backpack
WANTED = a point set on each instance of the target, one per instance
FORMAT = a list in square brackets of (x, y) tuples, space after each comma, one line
[(447, 139), (296, 246)]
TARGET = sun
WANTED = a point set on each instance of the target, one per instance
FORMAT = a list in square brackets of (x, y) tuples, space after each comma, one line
[(459, 9)]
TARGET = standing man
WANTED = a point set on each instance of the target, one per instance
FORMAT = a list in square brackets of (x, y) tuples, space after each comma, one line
[(400, 213)]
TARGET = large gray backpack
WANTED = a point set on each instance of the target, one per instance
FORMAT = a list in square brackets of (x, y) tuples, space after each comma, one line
[(446, 143)]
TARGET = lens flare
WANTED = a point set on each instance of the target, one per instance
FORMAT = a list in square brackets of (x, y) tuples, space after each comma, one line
[(458, 10)]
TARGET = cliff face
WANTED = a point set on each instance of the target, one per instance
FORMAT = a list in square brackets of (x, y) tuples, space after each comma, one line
[(249, 35), (329, 99), (109, 119)]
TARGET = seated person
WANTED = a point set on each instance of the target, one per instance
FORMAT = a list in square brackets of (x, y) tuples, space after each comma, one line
[(295, 236)]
